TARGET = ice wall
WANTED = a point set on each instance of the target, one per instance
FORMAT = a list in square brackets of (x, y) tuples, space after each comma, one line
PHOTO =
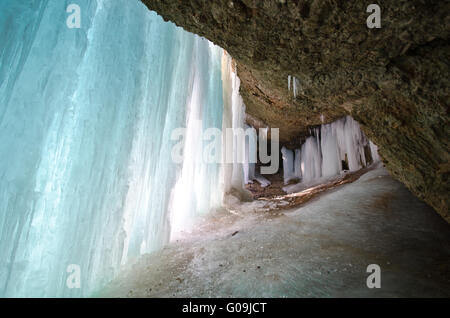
[(85, 123)]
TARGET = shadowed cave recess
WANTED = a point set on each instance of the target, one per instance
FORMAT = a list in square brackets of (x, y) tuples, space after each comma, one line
[(93, 203)]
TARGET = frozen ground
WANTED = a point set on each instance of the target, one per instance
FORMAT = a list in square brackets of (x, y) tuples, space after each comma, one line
[(321, 249)]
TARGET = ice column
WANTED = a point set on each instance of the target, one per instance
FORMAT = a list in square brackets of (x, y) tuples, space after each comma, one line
[(288, 164), (250, 154), (311, 160), (233, 128), (331, 163), (298, 163)]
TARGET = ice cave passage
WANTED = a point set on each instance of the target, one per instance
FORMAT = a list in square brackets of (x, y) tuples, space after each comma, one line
[(87, 184)]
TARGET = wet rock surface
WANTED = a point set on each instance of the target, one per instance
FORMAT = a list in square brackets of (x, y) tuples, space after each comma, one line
[(394, 80)]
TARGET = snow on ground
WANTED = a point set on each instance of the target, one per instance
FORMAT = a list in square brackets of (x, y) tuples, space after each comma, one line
[(321, 249)]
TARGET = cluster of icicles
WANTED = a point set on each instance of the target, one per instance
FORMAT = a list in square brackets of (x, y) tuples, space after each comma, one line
[(329, 151)]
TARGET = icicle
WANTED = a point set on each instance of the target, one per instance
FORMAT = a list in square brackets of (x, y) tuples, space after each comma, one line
[(331, 163), (374, 152), (250, 155), (298, 163), (288, 164), (310, 163), (294, 81)]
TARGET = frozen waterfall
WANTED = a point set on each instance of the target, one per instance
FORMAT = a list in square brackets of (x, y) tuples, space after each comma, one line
[(86, 117)]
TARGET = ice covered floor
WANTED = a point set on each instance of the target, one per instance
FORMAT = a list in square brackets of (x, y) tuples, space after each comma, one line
[(321, 249)]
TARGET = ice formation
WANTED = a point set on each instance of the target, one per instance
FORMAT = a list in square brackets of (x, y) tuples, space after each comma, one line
[(288, 164), (298, 163), (310, 162), (238, 149), (374, 152), (85, 123), (198, 189), (261, 180), (293, 85), (250, 154), (331, 149)]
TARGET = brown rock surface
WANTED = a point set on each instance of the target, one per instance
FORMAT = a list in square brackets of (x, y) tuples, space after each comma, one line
[(394, 80)]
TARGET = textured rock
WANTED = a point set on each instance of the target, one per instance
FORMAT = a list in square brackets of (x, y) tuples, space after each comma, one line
[(393, 80)]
